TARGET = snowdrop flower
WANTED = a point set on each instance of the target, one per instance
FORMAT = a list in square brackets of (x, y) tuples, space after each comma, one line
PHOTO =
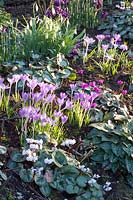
[(48, 161), (92, 181)]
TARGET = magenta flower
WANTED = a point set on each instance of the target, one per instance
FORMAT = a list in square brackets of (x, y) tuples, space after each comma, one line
[(80, 71), (100, 37), (93, 105), (124, 92), (100, 81), (96, 89), (92, 84), (119, 82), (84, 85)]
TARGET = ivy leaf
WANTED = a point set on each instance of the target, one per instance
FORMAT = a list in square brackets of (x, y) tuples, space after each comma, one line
[(3, 149), (45, 190), (59, 158), (26, 175), (17, 156)]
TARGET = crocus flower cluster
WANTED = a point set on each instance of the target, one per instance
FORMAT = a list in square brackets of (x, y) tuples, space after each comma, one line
[(59, 8)]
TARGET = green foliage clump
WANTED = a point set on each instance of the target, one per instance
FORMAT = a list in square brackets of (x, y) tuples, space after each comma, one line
[(119, 22), (55, 170), (113, 139)]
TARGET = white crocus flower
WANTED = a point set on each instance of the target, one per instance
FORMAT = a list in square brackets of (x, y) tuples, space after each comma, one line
[(48, 161)]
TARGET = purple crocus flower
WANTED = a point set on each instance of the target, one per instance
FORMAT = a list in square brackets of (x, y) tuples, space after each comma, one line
[(63, 95), (73, 86), (124, 47), (25, 96), (100, 37), (32, 83), (69, 104), (105, 47), (88, 40), (64, 118), (60, 102), (117, 37), (57, 114)]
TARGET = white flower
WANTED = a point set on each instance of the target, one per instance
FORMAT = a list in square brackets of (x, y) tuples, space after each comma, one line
[(30, 140), (68, 142), (107, 187), (92, 181), (48, 161), (96, 176), (34, 146)]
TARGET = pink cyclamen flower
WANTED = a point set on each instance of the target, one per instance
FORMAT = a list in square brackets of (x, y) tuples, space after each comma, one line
[(100, 81), (93, 105), (100, 37), (96, 89), (92, 84), (124, 92), (124, 47), (81, 71), (119, 82), (84, 85)]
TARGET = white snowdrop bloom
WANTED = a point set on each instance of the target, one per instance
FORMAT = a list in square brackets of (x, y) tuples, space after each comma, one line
[(34, 146), (96, 176), (108, 183), (91, 181), (48, 161)]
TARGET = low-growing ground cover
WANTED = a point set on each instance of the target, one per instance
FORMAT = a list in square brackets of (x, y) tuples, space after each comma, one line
[(66, 102)]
